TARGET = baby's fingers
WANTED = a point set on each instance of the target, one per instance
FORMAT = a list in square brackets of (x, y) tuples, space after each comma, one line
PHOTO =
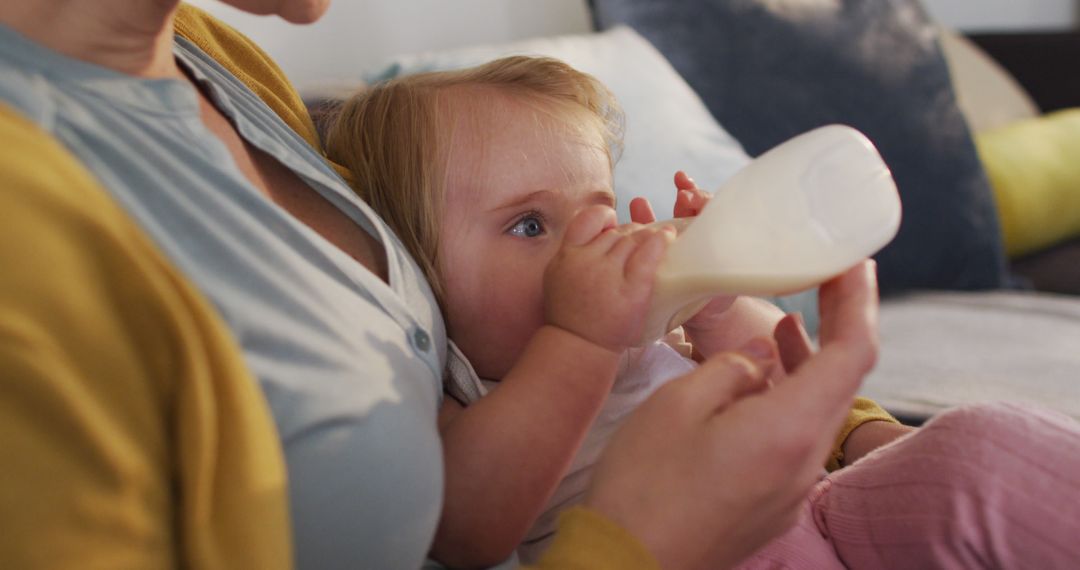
[(684, 182), (689, 199), (588, 223), (689, 203), (645, 259), (641, 211)]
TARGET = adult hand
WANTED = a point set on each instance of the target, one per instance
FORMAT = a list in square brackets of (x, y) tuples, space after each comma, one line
[(713, 466), (795, 348)]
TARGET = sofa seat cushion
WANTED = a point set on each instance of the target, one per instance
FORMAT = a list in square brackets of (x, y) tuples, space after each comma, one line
[(945, 349)]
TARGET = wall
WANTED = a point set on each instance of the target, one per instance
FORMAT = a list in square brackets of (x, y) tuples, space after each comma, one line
[(1000, 15), (358, 34)]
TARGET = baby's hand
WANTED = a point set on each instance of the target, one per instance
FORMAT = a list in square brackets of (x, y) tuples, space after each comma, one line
[(689, 202), (689, 199), (599, 285)]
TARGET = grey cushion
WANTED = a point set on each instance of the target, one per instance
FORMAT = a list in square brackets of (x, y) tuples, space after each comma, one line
[(940, 350), (769, 70)]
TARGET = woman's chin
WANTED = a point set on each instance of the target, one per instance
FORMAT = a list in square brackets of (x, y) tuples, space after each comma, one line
[(303, 11), (294, 11)]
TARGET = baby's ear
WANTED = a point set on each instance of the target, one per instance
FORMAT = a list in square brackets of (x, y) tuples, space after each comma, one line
[(588, 223)]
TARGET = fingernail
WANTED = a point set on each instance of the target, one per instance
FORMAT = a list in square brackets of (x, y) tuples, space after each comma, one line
[(797, 315), (758, 348)]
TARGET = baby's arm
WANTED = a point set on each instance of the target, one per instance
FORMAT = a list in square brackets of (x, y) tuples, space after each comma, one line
[(719, 327), (506, 453)]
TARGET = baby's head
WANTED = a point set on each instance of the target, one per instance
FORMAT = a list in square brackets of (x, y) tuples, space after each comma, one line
[(479, 171)]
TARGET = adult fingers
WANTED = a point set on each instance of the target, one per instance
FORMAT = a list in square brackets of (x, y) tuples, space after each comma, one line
[(588, 223), (762, 352), (823, 386), (793, 341), (845, 300), (729, 376), (680, 484)]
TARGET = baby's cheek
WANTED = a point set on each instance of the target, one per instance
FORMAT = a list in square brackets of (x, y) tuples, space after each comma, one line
[(521, 304), (523, 316)]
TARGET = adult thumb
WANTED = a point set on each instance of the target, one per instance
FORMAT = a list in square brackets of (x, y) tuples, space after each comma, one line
[(589, 222), (729, 376)]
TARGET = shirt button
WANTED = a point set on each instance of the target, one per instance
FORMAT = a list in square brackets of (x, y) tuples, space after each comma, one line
[(421, 340)]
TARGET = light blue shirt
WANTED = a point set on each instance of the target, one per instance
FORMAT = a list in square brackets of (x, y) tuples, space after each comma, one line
[(350, 366)]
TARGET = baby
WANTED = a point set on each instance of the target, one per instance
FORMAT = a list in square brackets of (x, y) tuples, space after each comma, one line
[(498, 179)]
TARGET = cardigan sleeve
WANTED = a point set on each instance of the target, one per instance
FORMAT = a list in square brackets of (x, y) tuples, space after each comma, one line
[(134, 435), (586, 540), (862, 411)]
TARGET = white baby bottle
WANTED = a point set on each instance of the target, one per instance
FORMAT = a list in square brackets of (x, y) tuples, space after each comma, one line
[(796, 216)]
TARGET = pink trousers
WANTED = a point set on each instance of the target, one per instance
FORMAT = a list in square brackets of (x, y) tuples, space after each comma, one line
[(986, 486)]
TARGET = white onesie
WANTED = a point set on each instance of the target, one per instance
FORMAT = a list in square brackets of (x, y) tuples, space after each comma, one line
[(641, 371)]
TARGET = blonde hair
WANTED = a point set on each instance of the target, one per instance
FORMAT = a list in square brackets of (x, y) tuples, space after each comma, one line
[(393, 138)]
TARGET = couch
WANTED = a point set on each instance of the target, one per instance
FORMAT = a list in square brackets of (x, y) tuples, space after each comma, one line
[(1044, 65), (974, 308)]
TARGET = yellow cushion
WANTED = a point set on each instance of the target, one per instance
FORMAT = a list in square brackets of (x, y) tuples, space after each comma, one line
[(1034, 169)]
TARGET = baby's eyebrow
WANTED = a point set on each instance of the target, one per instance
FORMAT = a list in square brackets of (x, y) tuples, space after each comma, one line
[(532, 197), (604, 197)]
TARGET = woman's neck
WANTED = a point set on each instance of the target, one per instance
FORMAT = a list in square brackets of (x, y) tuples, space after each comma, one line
[(133, 37)]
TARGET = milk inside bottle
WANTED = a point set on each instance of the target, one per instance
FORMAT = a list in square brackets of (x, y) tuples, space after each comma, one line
[(796, 216)]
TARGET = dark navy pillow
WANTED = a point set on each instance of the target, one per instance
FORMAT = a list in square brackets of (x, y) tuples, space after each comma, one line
[(771, 69)]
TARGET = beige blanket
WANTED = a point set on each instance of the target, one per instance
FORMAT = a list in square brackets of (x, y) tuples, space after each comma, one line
[(946, 349)]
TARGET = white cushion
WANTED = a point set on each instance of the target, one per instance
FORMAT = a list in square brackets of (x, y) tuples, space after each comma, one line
[(668, 127)]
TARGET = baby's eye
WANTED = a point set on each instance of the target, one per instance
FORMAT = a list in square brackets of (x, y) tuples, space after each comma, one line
[(530, 225)]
